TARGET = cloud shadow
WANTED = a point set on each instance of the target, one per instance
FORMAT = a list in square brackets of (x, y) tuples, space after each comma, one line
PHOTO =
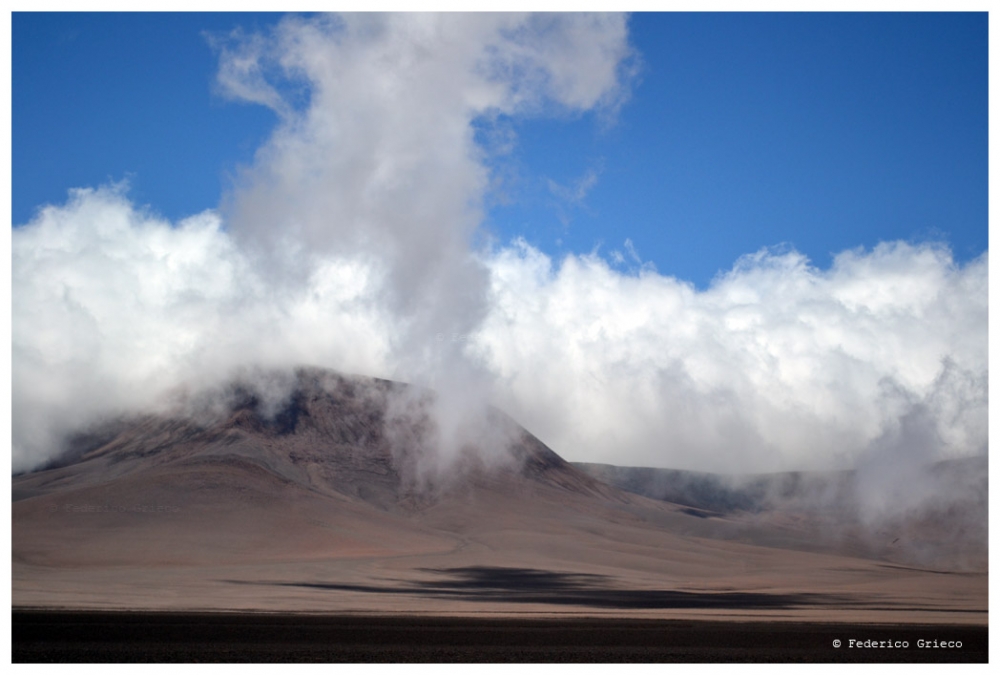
[(535, 586)]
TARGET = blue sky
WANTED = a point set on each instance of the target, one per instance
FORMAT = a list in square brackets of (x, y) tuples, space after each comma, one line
[(823, 132), (104, 97)]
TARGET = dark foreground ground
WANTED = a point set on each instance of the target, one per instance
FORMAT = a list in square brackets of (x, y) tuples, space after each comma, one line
[(88, 637)]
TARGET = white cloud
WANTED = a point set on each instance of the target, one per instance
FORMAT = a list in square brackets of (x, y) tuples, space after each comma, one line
[(776, 366), (113, 309), (348, 244)]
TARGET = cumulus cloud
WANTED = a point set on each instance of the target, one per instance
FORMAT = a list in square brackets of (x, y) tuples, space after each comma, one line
[(778, 365), (351, 243), (114, 308)]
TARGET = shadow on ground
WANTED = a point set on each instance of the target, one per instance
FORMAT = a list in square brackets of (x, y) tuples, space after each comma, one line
[(528, 585)]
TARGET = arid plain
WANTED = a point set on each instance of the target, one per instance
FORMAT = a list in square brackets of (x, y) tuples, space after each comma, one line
[(312, 509)]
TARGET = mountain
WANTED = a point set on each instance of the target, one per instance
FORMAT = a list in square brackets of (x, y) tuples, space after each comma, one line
[(941, 522), (336, 493), (330, 437)]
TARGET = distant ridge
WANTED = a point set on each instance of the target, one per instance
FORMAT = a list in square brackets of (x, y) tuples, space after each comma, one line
[(947, 528)]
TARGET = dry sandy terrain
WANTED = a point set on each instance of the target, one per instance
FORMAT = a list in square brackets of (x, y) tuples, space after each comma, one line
[(313, 510)]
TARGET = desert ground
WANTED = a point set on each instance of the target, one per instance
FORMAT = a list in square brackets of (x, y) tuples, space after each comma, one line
[(313, 512)]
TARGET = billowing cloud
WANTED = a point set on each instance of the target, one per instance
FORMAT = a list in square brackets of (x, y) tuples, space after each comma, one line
[(351, 243), (778, 365), (114, 309), (381, 163)]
